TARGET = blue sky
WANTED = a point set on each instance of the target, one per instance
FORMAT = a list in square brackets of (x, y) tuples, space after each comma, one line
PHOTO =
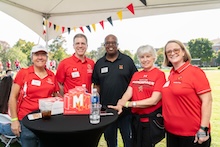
[(131, 33)]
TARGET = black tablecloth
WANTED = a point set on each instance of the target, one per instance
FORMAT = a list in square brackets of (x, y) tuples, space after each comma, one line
[(71, 130)]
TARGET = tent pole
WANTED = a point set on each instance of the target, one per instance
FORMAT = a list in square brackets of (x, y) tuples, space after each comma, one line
[(46, 17)]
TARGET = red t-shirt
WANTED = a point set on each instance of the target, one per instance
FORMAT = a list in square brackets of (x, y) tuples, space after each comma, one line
[(143, 84), (73, 72), (181, 102), (35, 88)]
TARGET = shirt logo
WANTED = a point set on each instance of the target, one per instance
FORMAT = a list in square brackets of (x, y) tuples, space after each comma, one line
[(140, 88), (89, 68), (49, 80), (120, 67)]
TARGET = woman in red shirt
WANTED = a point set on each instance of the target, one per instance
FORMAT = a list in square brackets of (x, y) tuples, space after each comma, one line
[(143, 95), (187, 100), (30, 84)]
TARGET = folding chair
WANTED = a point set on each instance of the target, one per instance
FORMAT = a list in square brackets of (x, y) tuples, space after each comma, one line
[(5, 119)]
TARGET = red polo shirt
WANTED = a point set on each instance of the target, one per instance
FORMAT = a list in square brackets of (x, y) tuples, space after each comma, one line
[(73, 72), (34, 89), (181, 102), (144, 83)]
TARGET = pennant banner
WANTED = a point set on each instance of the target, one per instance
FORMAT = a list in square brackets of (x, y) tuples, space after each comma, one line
[(56, 27)]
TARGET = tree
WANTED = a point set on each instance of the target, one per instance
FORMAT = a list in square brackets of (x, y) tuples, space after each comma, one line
[(127, 52), (136, 61), (16, 53), (56, 50), (218, 58), (25, 47), (201, 48), (92, 54), (160, 57)]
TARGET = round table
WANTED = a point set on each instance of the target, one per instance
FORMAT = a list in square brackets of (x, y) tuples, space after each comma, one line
[(69, 130)]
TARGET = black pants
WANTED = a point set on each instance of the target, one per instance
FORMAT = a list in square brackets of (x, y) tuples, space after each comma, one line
[(141, 134), (184, 141)]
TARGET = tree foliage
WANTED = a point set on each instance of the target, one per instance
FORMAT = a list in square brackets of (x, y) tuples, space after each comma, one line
[(160, 57), (56, 50), (127, 52), (218, 58), (201, 48)]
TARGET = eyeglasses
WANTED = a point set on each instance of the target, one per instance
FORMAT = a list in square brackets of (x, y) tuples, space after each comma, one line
[(113, 43), (175, 51)]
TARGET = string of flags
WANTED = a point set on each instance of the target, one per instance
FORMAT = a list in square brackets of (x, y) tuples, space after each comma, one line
[(56, 27)]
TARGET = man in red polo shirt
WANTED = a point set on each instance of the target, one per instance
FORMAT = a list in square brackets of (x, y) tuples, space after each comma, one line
[(77, 69)]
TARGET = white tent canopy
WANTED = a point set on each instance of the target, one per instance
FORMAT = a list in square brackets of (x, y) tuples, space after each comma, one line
[(81, 13)]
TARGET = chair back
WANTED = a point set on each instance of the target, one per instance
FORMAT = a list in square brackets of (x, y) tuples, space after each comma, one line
[(5, 119)]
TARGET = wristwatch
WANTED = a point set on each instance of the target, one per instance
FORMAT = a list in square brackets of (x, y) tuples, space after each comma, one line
[(206, 129)]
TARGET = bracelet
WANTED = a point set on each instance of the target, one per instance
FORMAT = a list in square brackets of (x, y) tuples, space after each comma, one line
[(126, 104), (14, 119)]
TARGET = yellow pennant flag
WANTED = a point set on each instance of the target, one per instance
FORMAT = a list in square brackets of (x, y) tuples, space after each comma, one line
[(46, 22), (57, 28), (74, 28), (94, 27), (119, 13)]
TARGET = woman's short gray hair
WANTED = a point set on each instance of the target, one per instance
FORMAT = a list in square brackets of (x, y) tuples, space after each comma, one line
[(146, 49)]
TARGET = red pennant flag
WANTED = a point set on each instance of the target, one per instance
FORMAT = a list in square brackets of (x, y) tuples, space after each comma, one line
[(50, 24), (63, 29), (81, 28), (131, 8), (102, 23)]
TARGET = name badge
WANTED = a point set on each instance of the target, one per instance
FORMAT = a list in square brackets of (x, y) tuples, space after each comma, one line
[(166, 84), (36, 82), (104, 70), (75, 74)]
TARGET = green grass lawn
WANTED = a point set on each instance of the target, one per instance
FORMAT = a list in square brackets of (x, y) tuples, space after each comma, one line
[(214, 79)]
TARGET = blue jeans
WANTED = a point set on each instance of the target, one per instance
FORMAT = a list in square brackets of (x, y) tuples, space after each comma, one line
[(123, 123), (28, 138), (5, 129)]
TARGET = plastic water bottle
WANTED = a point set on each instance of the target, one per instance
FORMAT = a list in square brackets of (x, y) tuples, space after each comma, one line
[(95, 107)]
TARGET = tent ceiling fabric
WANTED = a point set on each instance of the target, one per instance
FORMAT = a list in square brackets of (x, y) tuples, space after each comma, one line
[(77, 13)]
